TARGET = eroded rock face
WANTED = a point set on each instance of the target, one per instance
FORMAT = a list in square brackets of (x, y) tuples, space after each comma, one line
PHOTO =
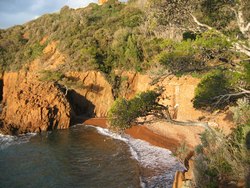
[(33, 106), (178, 95), (94, 96), (133, 83)]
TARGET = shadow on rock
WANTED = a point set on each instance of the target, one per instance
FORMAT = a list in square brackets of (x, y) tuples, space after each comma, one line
[(82, 107)]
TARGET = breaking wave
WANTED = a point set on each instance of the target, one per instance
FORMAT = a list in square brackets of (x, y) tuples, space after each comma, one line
[(8, 140), (158, 165)]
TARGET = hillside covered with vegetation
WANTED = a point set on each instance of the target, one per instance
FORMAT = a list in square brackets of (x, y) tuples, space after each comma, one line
[(209, 39), (178, 37)]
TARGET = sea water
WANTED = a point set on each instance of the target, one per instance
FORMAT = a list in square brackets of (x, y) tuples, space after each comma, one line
[(84, 156)]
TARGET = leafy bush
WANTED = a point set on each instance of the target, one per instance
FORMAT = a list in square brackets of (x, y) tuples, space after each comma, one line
[(212, 85), (54, 76), (34, 51), (179, 62), (119, 116), (215, 13), (222, 159), (124, 112), (241, 111), (110, 37), (87, 41), (194, 55), (246, 74)]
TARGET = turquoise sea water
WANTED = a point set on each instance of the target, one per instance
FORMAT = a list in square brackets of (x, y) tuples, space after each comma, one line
[(83, 156)]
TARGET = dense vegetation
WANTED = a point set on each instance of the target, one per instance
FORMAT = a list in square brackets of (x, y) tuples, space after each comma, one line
[(205, 38), (124, 112), (222, 159), (130, 37), (222, 87), (96, 37)]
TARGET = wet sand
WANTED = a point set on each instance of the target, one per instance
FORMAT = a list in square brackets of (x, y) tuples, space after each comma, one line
[(140, 132)]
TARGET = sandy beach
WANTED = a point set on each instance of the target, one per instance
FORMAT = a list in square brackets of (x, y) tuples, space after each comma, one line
[(140, 132)]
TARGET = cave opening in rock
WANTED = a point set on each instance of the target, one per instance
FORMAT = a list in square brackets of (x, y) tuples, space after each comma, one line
[(81, 106)]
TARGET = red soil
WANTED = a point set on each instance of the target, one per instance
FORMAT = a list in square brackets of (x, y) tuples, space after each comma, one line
[(140, 132)]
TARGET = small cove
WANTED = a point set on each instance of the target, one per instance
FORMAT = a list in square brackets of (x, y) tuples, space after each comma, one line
[(84, 156)]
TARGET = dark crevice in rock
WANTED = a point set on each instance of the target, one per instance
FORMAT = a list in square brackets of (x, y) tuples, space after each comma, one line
[(81, 106), (53, 123)]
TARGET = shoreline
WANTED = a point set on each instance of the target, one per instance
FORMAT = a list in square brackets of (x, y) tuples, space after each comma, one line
[(140, 132), (145, 134)]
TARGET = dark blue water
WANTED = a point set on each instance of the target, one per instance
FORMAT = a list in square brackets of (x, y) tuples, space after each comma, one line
[(81, 157), (78, 157)]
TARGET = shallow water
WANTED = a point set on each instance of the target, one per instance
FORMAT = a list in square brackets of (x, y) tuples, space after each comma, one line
[(83, 156)]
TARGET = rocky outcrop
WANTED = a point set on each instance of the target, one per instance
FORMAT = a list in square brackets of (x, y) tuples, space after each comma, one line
[(30, 105), (33, 106), (100, 2), (183, 179), (132, 83)]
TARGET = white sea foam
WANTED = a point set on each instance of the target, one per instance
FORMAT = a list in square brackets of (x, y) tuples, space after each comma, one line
[(159, 161), (7, 140), (116, 136), (156, 159), (106, 132)]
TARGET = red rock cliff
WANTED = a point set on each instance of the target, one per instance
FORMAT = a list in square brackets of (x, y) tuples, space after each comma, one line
[(33, 106), (95, 92)]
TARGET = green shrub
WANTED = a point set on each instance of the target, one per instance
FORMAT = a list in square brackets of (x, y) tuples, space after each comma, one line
[(246, 74), (194, 55), (124, 112), (113, 36), (36, 50), (241, 111), (211, 86), (223, 158), (119, 116), (52, 76), (179, 62), (87, 42)]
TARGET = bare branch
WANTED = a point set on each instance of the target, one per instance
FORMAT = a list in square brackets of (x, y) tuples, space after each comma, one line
[(241, 48), (243, 26), (199, 23), (244, 90), (241, 22), (236, 45), (226, 97), (165, 115)]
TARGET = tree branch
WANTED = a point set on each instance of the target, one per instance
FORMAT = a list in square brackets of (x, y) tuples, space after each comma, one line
[(236, 45), (226, 97), (165, 115), (244, 90), (199, 23), (241, 22), (241, 48)]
